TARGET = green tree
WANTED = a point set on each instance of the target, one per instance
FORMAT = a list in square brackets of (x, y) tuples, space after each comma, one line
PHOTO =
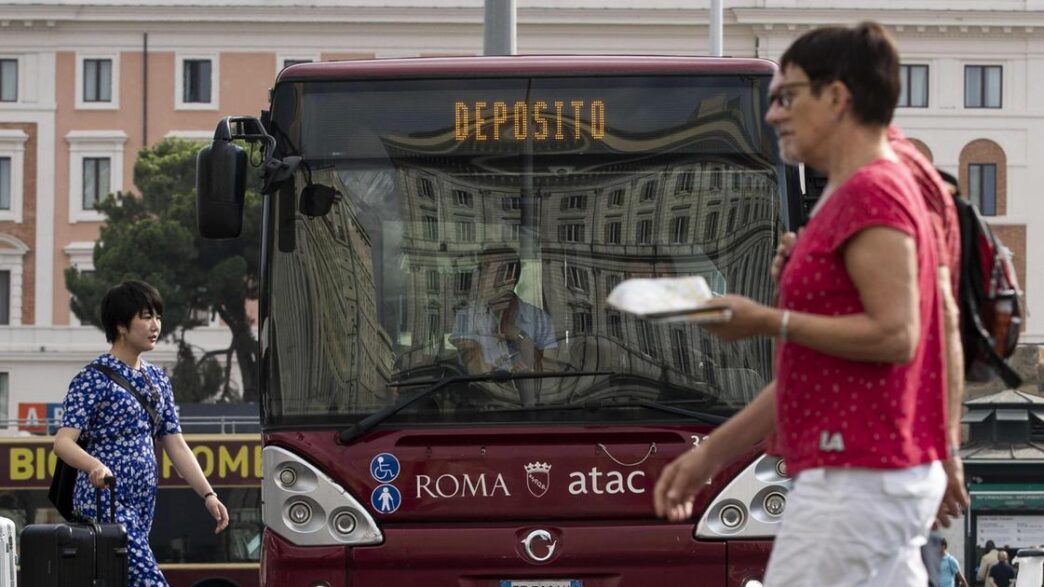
[(153, 237)]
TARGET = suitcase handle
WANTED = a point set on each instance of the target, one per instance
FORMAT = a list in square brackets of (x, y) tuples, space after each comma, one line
[(110, 483)]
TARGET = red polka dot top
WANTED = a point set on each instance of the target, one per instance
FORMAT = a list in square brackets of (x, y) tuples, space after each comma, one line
[(836, 412)]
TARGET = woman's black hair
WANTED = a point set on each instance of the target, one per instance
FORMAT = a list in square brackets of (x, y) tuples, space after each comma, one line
[(125, 301)]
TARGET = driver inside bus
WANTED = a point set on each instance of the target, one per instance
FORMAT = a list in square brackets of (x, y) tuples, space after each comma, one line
[(498, 331)]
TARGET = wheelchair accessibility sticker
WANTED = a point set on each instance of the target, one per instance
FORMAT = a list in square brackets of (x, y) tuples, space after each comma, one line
[(384, 467), (385, 499)]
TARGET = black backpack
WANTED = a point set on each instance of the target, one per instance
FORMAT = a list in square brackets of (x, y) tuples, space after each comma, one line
[(989, 300)]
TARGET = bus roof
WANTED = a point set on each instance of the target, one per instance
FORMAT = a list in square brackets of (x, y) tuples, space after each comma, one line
[(524, 65)]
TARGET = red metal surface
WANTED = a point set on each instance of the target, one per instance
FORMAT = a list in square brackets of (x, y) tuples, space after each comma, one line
[(524, 65), (286, 565), (474, 474), (747, 560), (603, 539)]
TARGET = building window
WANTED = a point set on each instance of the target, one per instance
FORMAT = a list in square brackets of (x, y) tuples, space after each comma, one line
[(576, 278), (616, 198), (716, 178), (571, 233), (982, 86), (680, 346), (425, 188), (433, 281), (463, 198), (465, 231), (685, 182), (5, 298), (8, 80), (196, 81), (647, 339), (612, 233), (913, 92), (5, 183), (434, 325), (982, 187), (12, 155), (97, 80), (731, 224), (680, 229), (581, 321), (511, 203), (510, 231), (464, 282), (614, 324), (644, 232), (5, 396), (506, 273), (95, 170), (649, 190), (710, 227), (611, 281), (578, 202), (96, 179), (431, 228)]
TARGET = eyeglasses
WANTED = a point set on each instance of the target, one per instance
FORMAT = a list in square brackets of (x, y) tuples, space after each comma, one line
[(785, 94)]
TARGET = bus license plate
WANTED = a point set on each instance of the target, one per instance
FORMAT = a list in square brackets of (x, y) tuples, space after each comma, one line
[(541, 583)]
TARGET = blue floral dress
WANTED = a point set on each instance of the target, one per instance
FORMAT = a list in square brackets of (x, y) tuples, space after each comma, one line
[(120, 435)]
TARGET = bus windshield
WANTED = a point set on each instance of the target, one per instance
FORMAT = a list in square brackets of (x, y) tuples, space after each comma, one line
[(478, 225)]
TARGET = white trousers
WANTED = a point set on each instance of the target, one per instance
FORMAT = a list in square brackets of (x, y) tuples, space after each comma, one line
[(856, 528)]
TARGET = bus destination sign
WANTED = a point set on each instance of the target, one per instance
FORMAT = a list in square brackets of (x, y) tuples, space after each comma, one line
[(542, 121)]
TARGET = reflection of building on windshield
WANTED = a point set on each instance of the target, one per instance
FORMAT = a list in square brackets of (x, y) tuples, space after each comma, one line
[(630, 216), (400, 279)]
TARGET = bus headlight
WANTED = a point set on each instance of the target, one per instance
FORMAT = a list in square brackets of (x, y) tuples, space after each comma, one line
[(287, 477), (752, 583), (300, 513), (775, 503), (731, 516), (304, 506), (751, 505), (344, 523)]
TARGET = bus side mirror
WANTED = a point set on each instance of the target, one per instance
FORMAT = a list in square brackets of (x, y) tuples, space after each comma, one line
[(220, 189)]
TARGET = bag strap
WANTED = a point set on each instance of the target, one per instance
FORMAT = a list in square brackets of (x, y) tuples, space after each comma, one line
[(122, 382)]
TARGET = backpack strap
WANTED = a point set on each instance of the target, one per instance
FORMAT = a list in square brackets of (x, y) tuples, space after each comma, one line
[(122, 382)]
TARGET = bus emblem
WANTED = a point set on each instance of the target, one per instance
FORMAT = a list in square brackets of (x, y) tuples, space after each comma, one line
[(538, 478)]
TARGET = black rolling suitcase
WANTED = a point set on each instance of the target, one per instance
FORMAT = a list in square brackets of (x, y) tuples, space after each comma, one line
[(88, 554)]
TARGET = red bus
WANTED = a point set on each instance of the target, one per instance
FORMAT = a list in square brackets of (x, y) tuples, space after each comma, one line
[(183, 539), (446, 397)]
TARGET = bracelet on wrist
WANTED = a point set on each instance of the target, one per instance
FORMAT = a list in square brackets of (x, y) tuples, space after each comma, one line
[(783, 325), (208, 494)]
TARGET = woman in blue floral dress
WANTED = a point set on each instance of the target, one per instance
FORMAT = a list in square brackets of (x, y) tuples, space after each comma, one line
[(121, 432)]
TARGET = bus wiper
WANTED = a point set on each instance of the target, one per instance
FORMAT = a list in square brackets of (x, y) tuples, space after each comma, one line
[(368, 423), (598, 404), (595, 405)]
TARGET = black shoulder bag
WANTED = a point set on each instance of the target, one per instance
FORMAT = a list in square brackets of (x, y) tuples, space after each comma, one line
[(63, 483)]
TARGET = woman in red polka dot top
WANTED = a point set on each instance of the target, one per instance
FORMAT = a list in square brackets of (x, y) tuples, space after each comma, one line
[(858, 404)]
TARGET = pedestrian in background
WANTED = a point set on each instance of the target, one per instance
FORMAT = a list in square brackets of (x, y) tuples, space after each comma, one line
[(121, 432), (950, 570), (858, 404), (989, 558), (1000, 574)]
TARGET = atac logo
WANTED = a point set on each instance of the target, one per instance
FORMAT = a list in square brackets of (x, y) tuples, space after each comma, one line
[(538, 478)]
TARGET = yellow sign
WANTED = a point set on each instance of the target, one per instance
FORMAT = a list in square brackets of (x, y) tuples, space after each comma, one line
[(225, 460), (543, 121)]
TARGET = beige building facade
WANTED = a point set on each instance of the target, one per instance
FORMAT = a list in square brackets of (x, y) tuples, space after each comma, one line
[(84, 85)]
